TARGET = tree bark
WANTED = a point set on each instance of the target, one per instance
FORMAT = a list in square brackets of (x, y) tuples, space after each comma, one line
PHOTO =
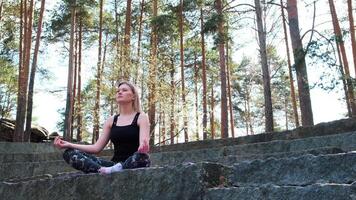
[(172, 120), (139, 40), (224, 123), (23, 74), (342, 73), (33, 74), (185, 120), (98, 78), (265, 69), (152, 78), (232, 126), (69, 111), (352, 31), (79, 95), (212, 106), (300, 66), (205, 110), (339, 39), (196, 97), (127, 41), (291, 80)]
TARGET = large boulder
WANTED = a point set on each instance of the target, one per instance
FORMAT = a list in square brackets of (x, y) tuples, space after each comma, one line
[(7, 127)]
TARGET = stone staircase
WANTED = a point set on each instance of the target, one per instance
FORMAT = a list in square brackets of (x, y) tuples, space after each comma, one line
[(317, 162)]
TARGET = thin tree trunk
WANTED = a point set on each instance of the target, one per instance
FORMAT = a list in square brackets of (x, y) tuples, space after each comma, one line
[(338, 34), (23, 78), (224, 123), (69, 111), (172, 121), (185, 120), (212, 120), (291, 81), (152, 78), (249, 112), (352, 31), (104, 53), (196, 96), (265, 69), (205, 112), (341, 69), (232, 126), (245, 116), (127, 41), (98, 78), (33, 74), (139, 40), (163, 131), (300, 66), (79, 105), (74, 79)]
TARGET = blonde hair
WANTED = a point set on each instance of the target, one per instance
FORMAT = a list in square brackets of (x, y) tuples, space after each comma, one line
[(136, 103)]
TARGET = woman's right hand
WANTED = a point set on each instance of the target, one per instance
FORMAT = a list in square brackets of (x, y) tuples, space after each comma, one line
[(61, 144)]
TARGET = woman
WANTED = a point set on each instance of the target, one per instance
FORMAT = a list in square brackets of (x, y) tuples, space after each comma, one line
[(128, 131)]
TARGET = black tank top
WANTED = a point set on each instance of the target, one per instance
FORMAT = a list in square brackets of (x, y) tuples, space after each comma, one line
[(125, 139)]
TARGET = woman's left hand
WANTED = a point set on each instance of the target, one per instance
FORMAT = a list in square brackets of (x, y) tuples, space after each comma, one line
[(144, 147)]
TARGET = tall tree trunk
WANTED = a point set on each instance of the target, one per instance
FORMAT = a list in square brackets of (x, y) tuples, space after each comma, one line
[(185, 120), (205, 110), (352, 31), (196, 96), (163, 130), (104, 53), (139, 40), (249, 112), (300, 66), (245, 116), (127, 41), (171, 117), (69, 111), (98, 78), (79, 95), (23, 73), (152, 77), (74, 78), (232, 126), (339, 39), (33, 73), (265, 69), (212, 106), (291, 81), (224, 123), (341, 69)]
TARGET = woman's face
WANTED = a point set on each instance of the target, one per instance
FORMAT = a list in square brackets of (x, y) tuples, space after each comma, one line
[(124, 94)]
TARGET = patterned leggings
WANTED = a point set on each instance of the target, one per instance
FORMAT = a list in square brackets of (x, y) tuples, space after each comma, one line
[(91, 164)]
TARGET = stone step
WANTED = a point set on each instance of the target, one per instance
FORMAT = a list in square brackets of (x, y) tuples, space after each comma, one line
[(37, 157), (344, 142), (25, 148), (29, 157), (29, 169), (327, 191), (297, 171), (232, 159), (161, 183), (321, 129), (16, 170)]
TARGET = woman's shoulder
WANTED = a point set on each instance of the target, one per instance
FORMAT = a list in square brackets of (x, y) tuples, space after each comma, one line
[(142, 116), (110, 119)]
